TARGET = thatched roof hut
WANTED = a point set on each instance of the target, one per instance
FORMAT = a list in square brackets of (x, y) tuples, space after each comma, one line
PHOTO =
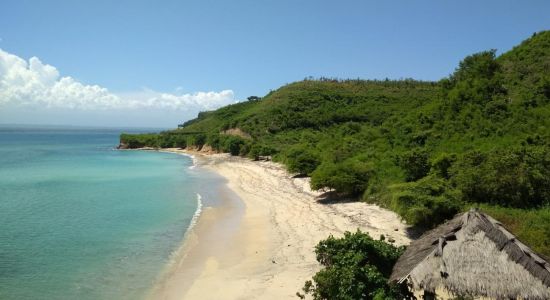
[(473, 255)]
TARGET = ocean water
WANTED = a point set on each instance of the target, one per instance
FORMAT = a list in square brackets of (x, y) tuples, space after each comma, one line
[(80, 220)]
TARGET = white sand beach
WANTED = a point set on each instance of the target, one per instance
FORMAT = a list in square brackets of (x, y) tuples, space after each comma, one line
[(263, 248)]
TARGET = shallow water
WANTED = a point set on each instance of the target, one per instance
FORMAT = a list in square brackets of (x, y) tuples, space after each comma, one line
[(79, 220)]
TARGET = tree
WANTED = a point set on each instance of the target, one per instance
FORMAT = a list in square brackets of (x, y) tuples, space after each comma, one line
[(426, 202), (517, 177), (442, 163), (415, 163), (302, 159), (197, 140), (180, 141), (257, 150), (233, 144), (349, 177), (476, 80), (479, 65)]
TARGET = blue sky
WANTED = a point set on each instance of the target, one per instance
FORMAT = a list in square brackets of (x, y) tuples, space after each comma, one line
[(228, 50)]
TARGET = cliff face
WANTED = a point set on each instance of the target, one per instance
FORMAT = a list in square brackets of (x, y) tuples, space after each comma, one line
[(207, 149), (237, 132), (122, 146)]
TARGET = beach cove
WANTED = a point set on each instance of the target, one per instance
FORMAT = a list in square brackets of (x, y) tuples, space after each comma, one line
[(258, 243)]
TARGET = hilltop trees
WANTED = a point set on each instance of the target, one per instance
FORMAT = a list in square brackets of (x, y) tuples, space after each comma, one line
[(253, 98)]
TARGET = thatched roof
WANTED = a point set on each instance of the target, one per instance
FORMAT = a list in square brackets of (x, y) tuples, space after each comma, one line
[(474, 255)]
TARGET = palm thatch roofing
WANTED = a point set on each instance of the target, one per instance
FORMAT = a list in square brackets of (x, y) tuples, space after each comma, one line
[(474, 255)]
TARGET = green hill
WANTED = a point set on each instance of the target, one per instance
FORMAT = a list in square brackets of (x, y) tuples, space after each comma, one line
[(426, 150)]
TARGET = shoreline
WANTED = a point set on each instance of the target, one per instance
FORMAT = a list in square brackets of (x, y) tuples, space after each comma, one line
[(265, 249), (211, 220)]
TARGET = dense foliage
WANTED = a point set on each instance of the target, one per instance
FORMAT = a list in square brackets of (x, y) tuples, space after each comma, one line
[(423, 149), (355, 267)]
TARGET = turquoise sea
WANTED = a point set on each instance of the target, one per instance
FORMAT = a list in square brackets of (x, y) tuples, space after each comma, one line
[(80, 220)]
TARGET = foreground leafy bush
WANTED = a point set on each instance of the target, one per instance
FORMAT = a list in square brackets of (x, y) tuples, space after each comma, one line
[(355, 267)]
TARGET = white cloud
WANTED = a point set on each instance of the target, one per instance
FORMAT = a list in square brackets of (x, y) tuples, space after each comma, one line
[(204, 100), (35, 84)]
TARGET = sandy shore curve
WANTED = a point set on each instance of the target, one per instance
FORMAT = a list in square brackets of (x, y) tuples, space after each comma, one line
[(268, 250)]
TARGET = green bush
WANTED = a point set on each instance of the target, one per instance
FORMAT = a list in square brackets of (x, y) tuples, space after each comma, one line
[(355, 267), (426, 202), (415, 163), (180, 141), (257, 150), (232, 144), (197, 140), (517, 177), (244, 148), (301, 159), (441, 164), (349, 177), (214, 141)]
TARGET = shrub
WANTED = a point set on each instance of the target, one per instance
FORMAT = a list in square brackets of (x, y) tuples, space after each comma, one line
[(415, 163), (214, 141), (232, 144), (301, 159), (441, 164), (425, 203), (257, 150), (199, 140), (349, 177), (180, 141), (196, 140), (517, 177), (355, 267)]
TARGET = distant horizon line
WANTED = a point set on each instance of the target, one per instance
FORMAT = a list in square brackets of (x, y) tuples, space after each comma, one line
[(69, 126)]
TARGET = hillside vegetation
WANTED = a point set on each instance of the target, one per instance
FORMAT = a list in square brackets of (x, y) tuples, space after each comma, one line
[(426, 150)]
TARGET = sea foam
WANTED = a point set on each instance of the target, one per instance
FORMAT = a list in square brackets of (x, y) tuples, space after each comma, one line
[(196, 214)]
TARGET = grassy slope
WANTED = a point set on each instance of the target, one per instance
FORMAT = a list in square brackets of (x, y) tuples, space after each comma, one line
[(423, 149)]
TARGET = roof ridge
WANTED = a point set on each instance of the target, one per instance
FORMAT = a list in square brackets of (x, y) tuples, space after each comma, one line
[(505, 242), (517, 252)]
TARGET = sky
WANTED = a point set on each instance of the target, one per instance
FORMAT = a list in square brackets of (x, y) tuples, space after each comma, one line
[(158, 63)]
